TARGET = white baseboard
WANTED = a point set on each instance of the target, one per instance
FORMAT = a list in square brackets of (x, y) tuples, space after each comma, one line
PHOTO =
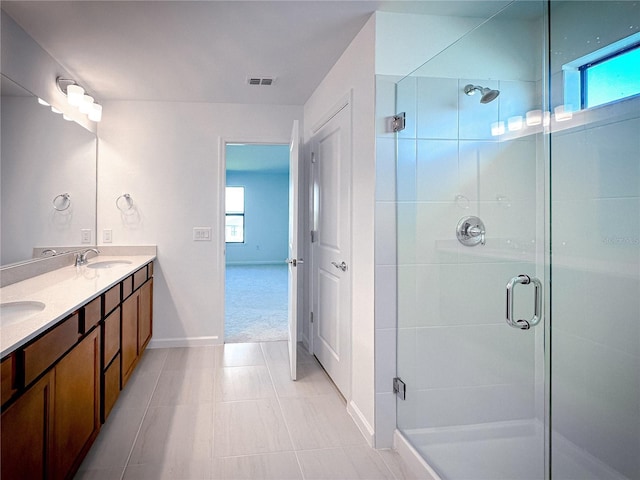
[(184, 342), (413, 459), (361, 422)]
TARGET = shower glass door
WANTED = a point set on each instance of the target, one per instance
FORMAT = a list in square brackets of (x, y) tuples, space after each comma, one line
[(471, 218)]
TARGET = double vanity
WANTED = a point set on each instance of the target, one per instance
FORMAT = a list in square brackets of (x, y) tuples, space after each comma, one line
[(70, 339)]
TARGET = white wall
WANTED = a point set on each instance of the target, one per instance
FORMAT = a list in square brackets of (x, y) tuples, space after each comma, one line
[(167, 156), (354, 72), (266, 218)]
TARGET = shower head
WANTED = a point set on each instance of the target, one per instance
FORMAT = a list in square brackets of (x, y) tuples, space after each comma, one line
[(488, 94)]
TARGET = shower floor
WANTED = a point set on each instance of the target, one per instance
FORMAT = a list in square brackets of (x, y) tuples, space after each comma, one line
[(504, 450)]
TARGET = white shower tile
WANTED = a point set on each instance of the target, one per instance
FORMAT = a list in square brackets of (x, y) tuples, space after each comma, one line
[(406, 233), (406, 170), (437, 170), (437, 108), (474, 355), (476, 118), (475, 405), (435, 232), (385, 296), (406, 102), (517, 98), (385, 169), (385, 233), (407, 303)]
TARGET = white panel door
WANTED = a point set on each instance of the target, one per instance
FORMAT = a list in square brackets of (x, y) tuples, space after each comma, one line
[(293, 259), (331, 146)]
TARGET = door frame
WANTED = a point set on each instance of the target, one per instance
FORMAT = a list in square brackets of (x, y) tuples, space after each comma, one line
[(220, 213)]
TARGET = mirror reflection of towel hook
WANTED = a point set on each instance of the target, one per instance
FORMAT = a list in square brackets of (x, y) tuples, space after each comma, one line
[(125, 205), (63, 203)]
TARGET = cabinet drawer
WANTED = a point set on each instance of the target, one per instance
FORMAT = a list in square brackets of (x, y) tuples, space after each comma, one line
[(139, 278), (111, 386), (42, 353), (7, 376), (111, 335), (92, 313), (127, 287), (111, 299)]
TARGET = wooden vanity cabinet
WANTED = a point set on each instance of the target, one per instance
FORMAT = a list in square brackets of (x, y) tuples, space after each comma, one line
[(136, 322), (53, 421)]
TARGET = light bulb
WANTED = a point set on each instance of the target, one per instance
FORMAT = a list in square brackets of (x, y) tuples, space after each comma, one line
[(87, 102), (497, 128), (514, 123), (43, 102), (533, 117), (67, 118), (55, 110), (95, 114), (75, 95)]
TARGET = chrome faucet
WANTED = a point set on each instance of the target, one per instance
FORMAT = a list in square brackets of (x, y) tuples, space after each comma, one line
[(81, 257)]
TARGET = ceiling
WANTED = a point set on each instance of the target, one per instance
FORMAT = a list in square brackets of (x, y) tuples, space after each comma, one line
[(204, 51)]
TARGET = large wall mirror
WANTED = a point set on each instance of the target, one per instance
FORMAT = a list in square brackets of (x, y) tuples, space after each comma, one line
[(48, 179)]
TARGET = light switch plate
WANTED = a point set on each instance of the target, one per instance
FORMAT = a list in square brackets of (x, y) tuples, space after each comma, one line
[(201, 234), (107, 236), (85, 235)]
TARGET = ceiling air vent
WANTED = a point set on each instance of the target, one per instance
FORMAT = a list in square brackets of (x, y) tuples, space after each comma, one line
[(261, 80)]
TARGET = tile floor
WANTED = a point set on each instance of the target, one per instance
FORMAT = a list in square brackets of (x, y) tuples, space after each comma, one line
[(231, 412)]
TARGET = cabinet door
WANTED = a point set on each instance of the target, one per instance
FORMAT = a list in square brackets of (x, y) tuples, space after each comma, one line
[(145, 315), (25, 433), (76, 405), (129, 347)]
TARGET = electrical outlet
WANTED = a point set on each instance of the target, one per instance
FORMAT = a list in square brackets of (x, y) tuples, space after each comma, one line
[(107, 236), (202, 234), (85, 235)]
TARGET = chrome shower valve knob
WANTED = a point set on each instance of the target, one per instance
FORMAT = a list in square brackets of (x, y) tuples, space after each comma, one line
[(470, 231)]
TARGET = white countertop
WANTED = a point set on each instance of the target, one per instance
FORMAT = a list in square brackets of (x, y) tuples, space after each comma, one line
[(62, 291)]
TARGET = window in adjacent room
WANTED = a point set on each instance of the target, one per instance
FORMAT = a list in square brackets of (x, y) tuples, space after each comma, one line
[(604, 76), (234, 218)]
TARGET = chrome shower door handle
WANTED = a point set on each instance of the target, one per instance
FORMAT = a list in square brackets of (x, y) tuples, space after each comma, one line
[(342, 266), (537, 307)]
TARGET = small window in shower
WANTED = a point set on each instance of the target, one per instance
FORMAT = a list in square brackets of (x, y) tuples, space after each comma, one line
[(611, 78), (605, 75)]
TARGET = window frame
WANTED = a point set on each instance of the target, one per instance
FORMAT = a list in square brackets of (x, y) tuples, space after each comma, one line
[(241, 215), (583, 69)]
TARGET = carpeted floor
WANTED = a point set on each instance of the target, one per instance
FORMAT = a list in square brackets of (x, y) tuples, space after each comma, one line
[(256, 303)]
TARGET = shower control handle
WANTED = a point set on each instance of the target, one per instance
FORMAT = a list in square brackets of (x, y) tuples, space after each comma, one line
[(470, 231), (537, 307)]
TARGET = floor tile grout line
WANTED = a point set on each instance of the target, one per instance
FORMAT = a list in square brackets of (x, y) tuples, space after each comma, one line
[(286, 425), (146, 410), (386, 464)]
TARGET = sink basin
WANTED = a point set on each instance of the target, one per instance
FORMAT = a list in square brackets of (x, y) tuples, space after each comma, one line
[(14, 312), (108, 264)]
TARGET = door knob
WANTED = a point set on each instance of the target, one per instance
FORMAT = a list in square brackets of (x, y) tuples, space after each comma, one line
[(294, 262), (342, 266)]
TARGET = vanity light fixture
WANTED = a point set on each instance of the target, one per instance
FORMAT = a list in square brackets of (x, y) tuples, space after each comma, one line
[(77, 97)]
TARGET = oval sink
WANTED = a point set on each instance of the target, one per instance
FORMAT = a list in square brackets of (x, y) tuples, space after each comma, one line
[(14, 312), (108, 264)]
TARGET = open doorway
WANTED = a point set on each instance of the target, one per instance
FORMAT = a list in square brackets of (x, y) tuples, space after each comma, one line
[(256, 236)]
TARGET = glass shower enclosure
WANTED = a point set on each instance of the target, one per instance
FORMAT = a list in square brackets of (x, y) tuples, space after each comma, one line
[(518, 233)]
